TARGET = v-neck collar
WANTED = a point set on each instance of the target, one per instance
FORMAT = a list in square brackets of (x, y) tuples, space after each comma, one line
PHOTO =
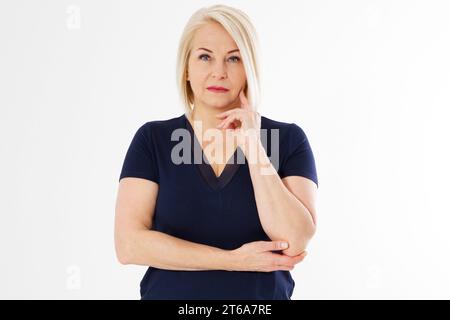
[(206, 170)]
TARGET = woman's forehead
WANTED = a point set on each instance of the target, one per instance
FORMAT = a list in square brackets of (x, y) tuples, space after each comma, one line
[(214, 38)]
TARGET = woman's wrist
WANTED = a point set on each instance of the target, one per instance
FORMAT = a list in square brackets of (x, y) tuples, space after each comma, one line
[(255, 154), (227, 260)]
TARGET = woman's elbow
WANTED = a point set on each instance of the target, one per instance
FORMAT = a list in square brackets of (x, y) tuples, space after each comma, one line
[(122, 256), (122, 248), (299, 244)]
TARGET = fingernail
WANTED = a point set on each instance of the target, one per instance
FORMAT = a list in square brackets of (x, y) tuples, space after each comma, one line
[(284, 245)]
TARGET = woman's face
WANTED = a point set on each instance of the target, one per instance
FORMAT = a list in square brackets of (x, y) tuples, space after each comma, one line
[(220, 66)]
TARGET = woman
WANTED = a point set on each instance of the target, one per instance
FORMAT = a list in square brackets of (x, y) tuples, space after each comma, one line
[(215, 229)]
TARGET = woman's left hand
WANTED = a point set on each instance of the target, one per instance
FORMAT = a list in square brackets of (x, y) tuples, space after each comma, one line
[(244, 121)]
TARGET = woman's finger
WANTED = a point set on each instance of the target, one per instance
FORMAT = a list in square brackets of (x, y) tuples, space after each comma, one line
[(244, 101), (284, 268), (225, 113), (227, 122)]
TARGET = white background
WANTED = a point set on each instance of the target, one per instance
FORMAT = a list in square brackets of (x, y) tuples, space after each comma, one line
[(368, 81)]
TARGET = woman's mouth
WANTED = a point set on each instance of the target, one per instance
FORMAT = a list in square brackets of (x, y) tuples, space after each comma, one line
[(217, 89)]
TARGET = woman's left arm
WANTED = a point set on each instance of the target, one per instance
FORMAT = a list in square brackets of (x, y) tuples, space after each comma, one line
[(286, 207)]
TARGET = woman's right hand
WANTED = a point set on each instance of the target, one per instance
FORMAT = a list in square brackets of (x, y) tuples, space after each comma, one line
[(258, 256)]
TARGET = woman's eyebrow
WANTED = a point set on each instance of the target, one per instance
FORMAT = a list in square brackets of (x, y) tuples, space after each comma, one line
[(211, 51)]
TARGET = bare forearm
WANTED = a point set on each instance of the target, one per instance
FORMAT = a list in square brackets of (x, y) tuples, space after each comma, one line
[(282, 215), (161, 250)]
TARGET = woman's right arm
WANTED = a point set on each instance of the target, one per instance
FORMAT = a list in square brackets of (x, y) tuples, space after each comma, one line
[(136, 244)]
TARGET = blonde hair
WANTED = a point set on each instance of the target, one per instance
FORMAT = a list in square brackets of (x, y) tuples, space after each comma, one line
[(240, 28)]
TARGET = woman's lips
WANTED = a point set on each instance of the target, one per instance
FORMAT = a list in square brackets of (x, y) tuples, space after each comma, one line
[(217, 90)]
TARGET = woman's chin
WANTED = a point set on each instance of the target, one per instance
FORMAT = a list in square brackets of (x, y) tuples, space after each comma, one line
[(219, 105)]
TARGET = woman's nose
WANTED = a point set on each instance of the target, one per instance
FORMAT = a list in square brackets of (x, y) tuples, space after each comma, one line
[(219, 70)]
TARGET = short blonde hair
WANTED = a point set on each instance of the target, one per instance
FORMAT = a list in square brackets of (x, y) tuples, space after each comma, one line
[(240, 28)]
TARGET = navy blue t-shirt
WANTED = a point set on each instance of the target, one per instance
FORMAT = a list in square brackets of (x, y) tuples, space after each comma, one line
[(195, 205)]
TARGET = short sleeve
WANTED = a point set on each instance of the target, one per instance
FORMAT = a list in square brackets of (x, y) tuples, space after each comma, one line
[(299, 158), (140, 160)]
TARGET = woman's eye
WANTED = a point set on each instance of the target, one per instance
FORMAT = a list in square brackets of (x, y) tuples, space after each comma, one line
[(203, 55), (236, 59)]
